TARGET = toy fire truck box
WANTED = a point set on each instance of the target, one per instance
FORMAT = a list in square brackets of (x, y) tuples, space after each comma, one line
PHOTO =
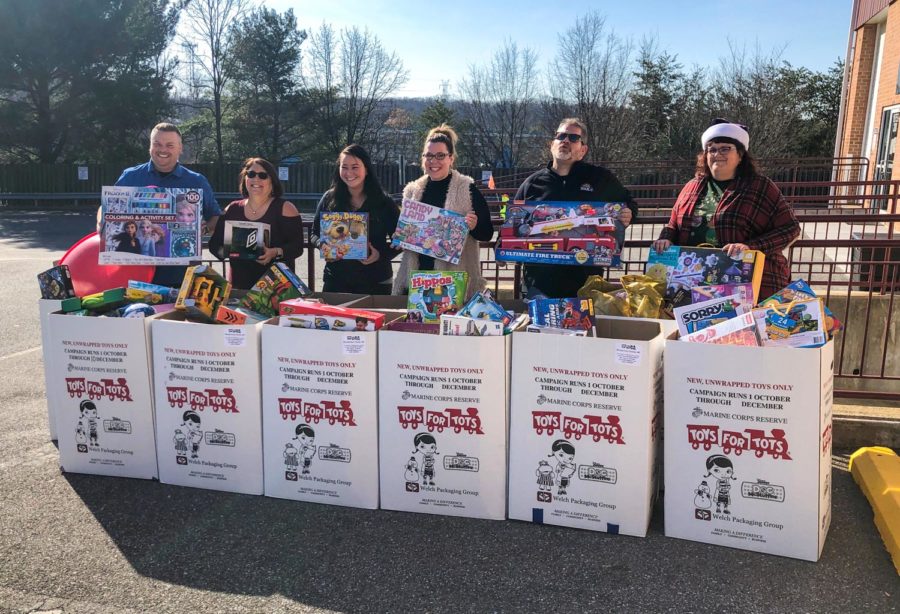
[(748, 446), (584, 419), (442, 415), (45, 308), (320, 417), (99, 379), (559, 233), (208, 414), (687, 267)]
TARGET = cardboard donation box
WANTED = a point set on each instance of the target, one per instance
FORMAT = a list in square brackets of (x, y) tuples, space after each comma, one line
[(442, 415), (46, 306), (208, 415), (584, 418), (320, 419), (99, 374), (748, 446)]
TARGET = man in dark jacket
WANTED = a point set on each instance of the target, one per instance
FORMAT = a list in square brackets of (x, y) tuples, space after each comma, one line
[(567, 178)]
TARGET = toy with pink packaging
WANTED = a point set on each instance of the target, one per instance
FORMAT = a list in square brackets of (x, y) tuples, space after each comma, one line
[(430, 231)]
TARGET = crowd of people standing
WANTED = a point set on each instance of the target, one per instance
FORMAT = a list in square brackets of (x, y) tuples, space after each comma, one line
[(727, 204)]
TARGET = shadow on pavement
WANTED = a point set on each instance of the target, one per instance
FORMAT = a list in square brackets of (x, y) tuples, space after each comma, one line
[(49, 229), (350, 560)]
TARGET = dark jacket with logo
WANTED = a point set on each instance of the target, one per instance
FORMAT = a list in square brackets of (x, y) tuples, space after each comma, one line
[(585, 182)]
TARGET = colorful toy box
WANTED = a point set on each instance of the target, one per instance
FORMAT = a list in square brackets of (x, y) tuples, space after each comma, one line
[(245, 240), (344, 235), (551, 232), (686, 267), (431, 231), (278, 284), (433, 293), (202, 292)]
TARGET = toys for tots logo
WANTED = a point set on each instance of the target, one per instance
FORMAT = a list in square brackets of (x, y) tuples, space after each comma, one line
[(335, 413), (549, 422), (113, 390), (468, 420), (754, 440), (199, 400)]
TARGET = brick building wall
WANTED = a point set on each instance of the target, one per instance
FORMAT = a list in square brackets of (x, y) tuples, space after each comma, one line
[(887, 95)]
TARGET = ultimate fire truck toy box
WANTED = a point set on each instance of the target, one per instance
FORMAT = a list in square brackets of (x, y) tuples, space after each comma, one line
[(551, 232)]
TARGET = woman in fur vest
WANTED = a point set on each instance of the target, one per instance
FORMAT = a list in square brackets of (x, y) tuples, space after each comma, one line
[(443, 186)]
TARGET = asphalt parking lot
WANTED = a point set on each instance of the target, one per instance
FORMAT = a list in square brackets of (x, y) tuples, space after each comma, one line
[(80, 543)]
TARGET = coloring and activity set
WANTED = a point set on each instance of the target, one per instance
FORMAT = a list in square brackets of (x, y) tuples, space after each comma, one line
[(344, 235), (431, 231), (150, 225), (553, 232)]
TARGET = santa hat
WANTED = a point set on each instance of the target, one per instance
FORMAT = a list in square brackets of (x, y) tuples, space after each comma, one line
[(722, 128)]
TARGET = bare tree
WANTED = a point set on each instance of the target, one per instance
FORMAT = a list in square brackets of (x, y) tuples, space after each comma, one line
[(761, 91), (499, 99), (209, 25), (351, 75), (591, 78)]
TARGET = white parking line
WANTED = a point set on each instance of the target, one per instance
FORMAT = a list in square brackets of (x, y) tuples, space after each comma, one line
[(14, 354)]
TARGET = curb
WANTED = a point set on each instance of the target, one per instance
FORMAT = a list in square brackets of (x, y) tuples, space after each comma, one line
[(855, 432), (877, 471)]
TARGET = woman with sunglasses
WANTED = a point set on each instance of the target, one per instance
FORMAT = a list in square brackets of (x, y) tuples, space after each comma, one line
[(262, 202), (443, 186), (355, 187), (728, 204)]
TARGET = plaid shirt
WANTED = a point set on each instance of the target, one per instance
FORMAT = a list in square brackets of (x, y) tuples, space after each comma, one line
[(752, 211)]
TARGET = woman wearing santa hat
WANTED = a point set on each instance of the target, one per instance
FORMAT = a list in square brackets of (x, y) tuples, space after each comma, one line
[(728, 204)]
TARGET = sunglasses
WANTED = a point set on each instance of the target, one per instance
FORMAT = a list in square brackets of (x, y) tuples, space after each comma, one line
[(562, 136), (262, 175)]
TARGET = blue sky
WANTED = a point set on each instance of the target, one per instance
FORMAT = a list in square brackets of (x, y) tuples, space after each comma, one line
[(438, 40)]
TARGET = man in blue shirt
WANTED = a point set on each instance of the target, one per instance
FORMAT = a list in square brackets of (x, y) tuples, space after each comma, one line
[(164, 171)]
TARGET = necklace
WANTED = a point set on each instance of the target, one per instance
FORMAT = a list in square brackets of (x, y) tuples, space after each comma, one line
[(255, 210)]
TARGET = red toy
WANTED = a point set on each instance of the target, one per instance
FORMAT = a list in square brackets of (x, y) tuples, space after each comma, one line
[(89, 277)]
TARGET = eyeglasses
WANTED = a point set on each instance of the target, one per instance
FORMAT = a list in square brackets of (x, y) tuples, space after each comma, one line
[(562, 136), (262, 175), (724, 150), (440, 157)]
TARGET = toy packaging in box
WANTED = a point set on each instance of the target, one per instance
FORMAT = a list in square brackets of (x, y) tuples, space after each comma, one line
[(795, 324), (697, 316), (483, 306), (433, 293), (431, 231), (344, 235), (572, 313), (104, 301), (800, 290), (469, 327), (742, 294), (234, 315), (278, 284), (329, 317), (245, 240), (739, 330), (550, 232), (686, 267), (56, 283), (202, 292), (152, 294)]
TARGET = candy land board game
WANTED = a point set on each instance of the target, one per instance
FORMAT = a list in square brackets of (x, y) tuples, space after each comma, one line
[(686, 267), (150, 225), (430, 231), (344, 235), (433, 293), (551, 232), (246, 240)]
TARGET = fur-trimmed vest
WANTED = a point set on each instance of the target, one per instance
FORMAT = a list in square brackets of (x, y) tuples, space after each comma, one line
[(459, 199)]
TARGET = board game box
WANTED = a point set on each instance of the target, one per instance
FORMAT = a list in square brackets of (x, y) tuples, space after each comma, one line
[(740, 330), (795, 324), (433, 293), (573, 313), (431, 231), (687, 267), (56, 283), (344, 235), (697, 316)]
